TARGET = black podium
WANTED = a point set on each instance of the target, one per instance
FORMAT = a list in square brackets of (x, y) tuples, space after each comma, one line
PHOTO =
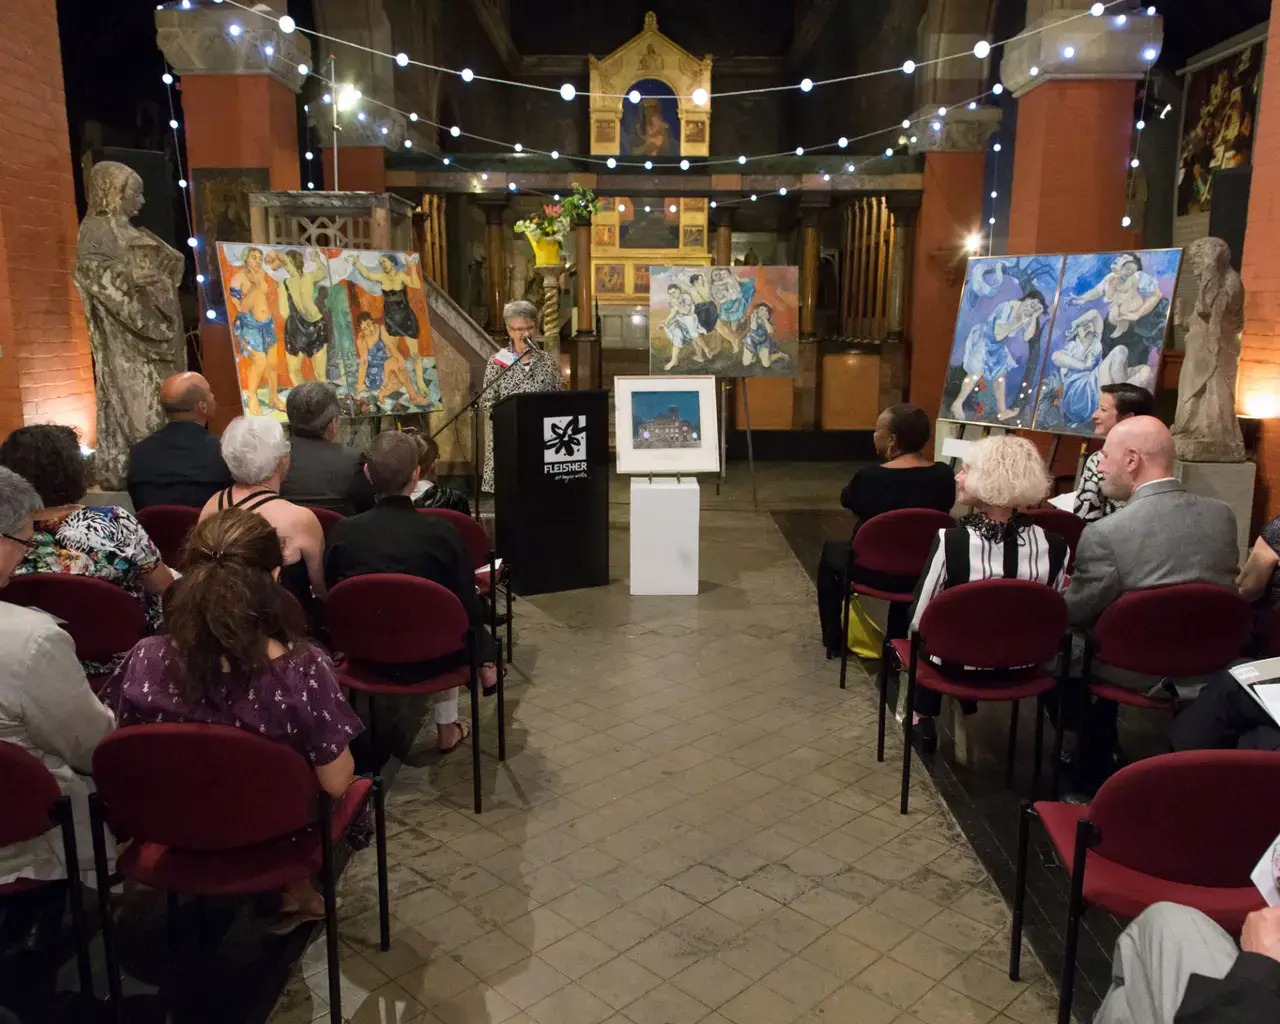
[(551, 489)]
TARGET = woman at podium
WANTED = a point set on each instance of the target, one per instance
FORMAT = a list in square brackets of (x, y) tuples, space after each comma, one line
[(520, 367)]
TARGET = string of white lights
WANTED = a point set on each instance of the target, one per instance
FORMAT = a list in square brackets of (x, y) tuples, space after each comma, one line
[(700, 97), (1134, 162)]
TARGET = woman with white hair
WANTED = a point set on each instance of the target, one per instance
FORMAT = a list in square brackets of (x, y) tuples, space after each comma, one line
[(257, 454), (518, 368), (1000, 476)]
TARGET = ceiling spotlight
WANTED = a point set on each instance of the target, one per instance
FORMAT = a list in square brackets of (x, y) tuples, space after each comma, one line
[(287, 24), (1068, 52), (973, 243), (842, 141), (908, 67), (408, 143), (782, 190), (167, 78), (467, 74), (799, 150), (518, 148), (182, 183), (700, 97), (455, 131), (1034, 71), (806, 84), (742, 159), (611, 163), (235, 30), (1097, 10), (997, 89), (1150, 54), (567, 91), (173, 124), (1125, 221), (648, 165), (269, 50), (555, 154), (671, 208), (684, 165), (303, 70), (402, 59), (347, 97), (982, 49)]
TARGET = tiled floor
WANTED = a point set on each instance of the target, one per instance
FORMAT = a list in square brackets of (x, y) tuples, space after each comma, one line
[(691, 826)]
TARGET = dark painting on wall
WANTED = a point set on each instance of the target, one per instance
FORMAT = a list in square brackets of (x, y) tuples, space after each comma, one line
[(648, 223), (222, 214), (1218, 125), (652, 126)]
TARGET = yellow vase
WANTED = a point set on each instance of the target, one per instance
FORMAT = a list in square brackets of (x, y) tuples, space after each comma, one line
[(546, 251)]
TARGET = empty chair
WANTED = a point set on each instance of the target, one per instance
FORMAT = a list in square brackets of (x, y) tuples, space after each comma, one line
[(484, 559), (168, 526), (1066, 525), (327, 516)]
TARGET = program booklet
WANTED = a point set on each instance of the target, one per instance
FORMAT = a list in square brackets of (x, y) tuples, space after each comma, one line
[(1261, 680)]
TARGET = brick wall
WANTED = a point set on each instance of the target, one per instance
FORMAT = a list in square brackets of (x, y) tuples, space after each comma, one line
[(1259, 390), (46, 373)]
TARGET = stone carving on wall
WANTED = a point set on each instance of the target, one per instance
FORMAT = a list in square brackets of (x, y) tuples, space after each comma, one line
[(128, 281), (1206, 428)]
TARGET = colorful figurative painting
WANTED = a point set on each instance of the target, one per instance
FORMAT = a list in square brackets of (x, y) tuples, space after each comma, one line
[(354, 318), (1005, 311), (652, 126), (726, 321), (1218, 124), (648, 222), (1109, 329), (665, 419)]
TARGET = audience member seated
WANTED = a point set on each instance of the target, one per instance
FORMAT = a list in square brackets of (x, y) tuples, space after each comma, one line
[(323, 472), (1174, 965), (1259, 580), (394, 537), (180, 463), (234, 656), (1116, 402), (429, 493), (46, 706), (906, 479), (1001, 475), (258, 456), (102, 541)]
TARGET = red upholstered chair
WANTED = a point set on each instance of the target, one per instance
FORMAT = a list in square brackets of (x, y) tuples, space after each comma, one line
[(1185, 828), (104, 620), (1065, 524), (1190, 629), (33, 804), (895, 543), (393, 619), (484, 557), (1009, 628), (327, 516), (168, 526), (216, 811)]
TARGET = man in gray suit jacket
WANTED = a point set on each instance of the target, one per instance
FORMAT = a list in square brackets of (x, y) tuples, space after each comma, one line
[(1164, 535)]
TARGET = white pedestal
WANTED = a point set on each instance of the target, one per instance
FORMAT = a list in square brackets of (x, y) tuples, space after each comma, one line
[(664, 535), (1231, 482)]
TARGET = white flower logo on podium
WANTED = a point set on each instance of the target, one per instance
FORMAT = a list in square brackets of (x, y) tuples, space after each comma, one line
[(564, 446)]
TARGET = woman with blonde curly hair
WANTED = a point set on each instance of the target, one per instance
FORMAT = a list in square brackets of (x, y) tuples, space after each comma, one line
[(1001, 476)]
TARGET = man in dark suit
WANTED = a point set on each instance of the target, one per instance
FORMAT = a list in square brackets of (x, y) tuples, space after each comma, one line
[(323, 472), (180, 464), (395, 537)]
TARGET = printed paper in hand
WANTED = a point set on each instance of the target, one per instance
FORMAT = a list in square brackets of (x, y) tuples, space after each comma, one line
[(1265, 875)]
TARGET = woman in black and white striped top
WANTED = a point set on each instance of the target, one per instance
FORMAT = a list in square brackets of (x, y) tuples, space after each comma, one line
[(1001, 475)]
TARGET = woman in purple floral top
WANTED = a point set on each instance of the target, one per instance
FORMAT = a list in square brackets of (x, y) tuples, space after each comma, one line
[(234, 657)]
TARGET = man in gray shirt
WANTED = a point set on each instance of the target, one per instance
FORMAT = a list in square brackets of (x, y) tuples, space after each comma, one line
[(323, 472)]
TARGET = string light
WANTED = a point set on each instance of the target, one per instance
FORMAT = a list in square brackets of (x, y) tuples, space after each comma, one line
[(518, 148), (287, 24), (1068, 52), (611, 163), (1097, 10), (942, 111), (555, 154), (167, 78), (742, 159), (684, 165), (782, 190), (235, 30), (182, 183), (303, 70), (799, 150), (842, 142), (806, 84), (648, 165), (982, 49), (908, 67), (192, 240), (700, 97), (567, 91), (998, 88), (634, 95), (402, 59), (467, 74)]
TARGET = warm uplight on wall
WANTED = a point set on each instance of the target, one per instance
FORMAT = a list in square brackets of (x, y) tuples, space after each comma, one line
[(973, 244), (1261, 406)]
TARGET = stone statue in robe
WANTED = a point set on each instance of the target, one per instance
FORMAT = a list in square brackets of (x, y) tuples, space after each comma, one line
[(1206, 428), (128, 281)]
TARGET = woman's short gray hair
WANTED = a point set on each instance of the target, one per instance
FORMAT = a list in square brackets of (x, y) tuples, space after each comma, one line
[(521, 309), (18, 499), (1006, 472), (252, 446)]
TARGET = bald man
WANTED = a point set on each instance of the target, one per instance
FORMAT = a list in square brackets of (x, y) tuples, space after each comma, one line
[(180, 464)]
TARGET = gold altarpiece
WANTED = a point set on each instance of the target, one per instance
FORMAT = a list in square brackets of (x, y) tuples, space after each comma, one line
[(632, 233)]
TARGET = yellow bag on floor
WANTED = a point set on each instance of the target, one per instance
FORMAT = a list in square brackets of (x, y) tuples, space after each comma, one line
[(865, 638)]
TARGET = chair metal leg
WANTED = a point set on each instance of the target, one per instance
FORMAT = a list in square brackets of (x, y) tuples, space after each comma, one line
[(493, 595), (1020, 889), (1036, 764), (1086, 836), (1012, 755), (115, 995), (380, 835), (907, 727), (75, 893), (328, 883), (507, 591), (844, 637), (373, 734), (502, 703), (475, 718), (882, 681)]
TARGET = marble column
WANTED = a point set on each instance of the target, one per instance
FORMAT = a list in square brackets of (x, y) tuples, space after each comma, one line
[(584, 369), (495, 235), (240, 114), (806, 382)]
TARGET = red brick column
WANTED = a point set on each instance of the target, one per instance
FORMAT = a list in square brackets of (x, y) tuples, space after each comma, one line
[(950, 210), (46, 373), (1259, 388), (360, 168)]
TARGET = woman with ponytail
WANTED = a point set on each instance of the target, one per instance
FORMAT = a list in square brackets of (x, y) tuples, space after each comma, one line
[(234, 656)]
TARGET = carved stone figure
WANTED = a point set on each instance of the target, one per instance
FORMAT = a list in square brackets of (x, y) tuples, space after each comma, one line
[(1206, 428), (128, 281)]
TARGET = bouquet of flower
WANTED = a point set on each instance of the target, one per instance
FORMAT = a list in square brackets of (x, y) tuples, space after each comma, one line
[(556, 219)]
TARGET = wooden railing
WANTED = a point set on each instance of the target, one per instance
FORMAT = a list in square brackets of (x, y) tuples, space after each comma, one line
[(866, 286), (429, 239)]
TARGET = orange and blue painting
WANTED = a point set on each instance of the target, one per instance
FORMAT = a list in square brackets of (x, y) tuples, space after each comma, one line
[(354, 318)]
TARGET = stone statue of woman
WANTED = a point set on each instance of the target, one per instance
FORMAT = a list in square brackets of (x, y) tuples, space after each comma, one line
[(128, 281), (1206, 428)]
